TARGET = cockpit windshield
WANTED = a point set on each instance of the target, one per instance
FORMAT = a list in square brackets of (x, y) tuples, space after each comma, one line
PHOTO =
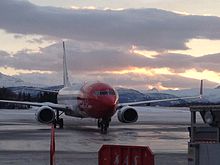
[(104, 92)]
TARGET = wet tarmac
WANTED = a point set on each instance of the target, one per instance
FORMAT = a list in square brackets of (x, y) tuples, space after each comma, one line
[(23, 141)]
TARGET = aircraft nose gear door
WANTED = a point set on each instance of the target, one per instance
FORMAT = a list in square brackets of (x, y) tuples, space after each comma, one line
[(103, 124)]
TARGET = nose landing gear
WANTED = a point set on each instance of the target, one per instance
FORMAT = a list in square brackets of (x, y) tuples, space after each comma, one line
[(58, 120), (103, 124)]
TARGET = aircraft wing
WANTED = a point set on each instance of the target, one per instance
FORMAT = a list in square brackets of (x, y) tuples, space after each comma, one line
[(40, 90), (155, 101), (44, 90), (163, 100), (60, 107)]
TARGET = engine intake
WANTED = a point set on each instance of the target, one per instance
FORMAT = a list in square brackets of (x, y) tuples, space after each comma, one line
[(127, 114), (45, 115)]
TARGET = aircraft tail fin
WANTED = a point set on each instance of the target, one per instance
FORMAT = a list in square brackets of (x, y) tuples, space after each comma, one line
[(66, 82)]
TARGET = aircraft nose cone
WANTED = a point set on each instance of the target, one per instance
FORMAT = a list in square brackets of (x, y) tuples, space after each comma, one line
[(109, 102), (104, 107)]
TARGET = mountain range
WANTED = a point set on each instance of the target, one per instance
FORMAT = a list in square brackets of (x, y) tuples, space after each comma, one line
[(126, 95), (9, 81)]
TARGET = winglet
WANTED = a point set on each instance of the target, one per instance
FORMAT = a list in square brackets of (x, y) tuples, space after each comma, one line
[(201, 89), (66, 82)]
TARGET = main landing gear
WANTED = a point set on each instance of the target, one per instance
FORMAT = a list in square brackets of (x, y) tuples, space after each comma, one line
[(58, 120), (103, 124)]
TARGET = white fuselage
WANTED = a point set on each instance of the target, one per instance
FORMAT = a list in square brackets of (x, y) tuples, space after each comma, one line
[(70, 96)]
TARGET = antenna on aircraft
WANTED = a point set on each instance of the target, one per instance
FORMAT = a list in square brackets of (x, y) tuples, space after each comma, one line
[(201, 88), (66, 82)]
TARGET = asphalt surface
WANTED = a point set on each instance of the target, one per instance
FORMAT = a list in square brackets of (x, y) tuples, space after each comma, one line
[(24, 141)]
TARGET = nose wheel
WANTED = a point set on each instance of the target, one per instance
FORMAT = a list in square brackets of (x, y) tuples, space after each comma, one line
[(103, 124)]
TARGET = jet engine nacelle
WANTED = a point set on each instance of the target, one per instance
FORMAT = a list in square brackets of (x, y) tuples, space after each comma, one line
[(127, 114), (45, 115)]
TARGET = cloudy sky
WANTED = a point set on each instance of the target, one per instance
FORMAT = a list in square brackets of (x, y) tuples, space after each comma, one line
[(142, 44)]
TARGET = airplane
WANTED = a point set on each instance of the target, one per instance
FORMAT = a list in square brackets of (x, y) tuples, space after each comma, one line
[(89, 100)]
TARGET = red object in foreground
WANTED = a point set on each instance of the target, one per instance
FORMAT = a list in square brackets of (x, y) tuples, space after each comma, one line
[(125, 155), (52, 146)]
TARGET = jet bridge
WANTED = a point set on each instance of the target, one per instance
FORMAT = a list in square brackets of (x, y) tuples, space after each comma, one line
[(204, 132)]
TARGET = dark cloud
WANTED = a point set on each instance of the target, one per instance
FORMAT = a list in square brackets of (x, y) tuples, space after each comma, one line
[(99, 41), (209, 62), (90, 58), (174, 81), (181, 62), (91, 65), (33, 61), (50, 58), (150, 28), (176, 62)]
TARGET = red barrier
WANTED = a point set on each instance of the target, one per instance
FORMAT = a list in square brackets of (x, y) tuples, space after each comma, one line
[(52, 146), (125, 155)]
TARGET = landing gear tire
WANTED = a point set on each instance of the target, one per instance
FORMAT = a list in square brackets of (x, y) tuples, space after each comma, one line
[(99, 123), (55, 124), (60, 122), (103, 124), (104, 130)]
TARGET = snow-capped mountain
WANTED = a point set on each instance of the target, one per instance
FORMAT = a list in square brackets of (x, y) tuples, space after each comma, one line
[(153, 90), (131, 95), (218, 87), (126, 95), (209, 95), (9, 81)]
